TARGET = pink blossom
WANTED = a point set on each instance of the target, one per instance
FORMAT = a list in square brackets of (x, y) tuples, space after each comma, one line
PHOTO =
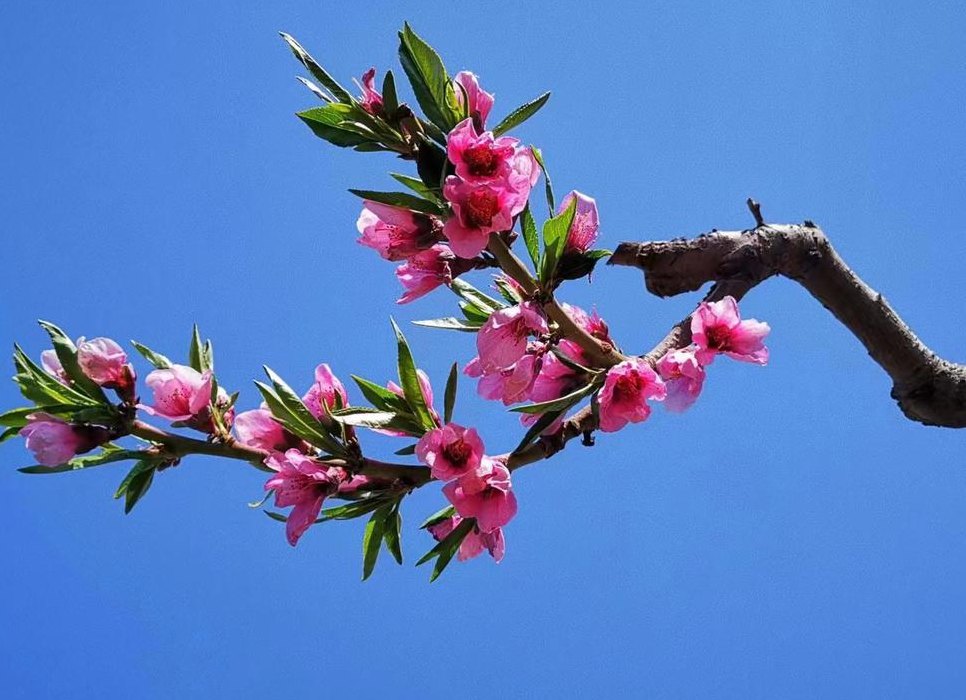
[(259, 429), (475, 541), (180, 393), (487, 498), (52, 366), (479, 157), (590, 322), (716, 327), (511, 385), (451, 452), (105, 362), (683, 377), (52, 440), (393, 232), (583, 231), (523, 175), (426, 271), (478, 103), (627, 388), (371, 100), (326, 394), (502, 340), (555, 380), (478, 211), (304, 483)]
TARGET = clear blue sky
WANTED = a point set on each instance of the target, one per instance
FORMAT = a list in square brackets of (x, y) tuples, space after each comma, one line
[(790, 536)]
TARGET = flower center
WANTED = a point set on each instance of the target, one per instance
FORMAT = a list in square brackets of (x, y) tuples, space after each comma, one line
[(481, 160), (457, 451), (480, 208), (627, 385), (717, 337)]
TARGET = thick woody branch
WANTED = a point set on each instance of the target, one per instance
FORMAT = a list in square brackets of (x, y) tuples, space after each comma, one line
[(928, 389)]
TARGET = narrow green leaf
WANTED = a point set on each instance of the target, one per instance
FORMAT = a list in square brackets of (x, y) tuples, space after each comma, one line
[(38, 386), (155, 358), (380, 397), (446, 554), (449, 398), (400, 199), (439, 516), (136, 484), (280, 517), (555, 232), (195, 351), (530, 237), (405, 451), (17, 417), (455, 537), (561, 404), (297, 422), (372, 541), (521, 114), (538, 154), (392, 533), (450, 323), (417, 186), (320, 74), (67, 354), (352, 510), (543, 422), (467, 291), (409, 380), (315, 89), (428, 78), (390, 101)]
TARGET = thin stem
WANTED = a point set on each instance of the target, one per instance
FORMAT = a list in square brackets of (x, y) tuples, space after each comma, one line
[(599, 354)]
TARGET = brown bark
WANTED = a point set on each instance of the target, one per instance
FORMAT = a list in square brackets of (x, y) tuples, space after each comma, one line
[(928, 389)]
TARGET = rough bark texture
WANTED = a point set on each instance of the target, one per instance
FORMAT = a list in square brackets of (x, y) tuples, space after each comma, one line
[(927, 388)]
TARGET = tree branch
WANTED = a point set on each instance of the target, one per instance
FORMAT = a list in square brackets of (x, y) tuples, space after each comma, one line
[(928, 389)]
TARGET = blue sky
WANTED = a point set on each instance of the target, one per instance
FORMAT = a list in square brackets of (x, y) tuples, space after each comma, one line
[(791, 536)]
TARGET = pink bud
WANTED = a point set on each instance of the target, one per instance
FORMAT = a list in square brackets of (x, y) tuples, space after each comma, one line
[(183, 394), (258, 429), (683, 376), (583, 231), (478, 103), (371, 99), (52, 366), (53, 440), (393, 232), (104, 362), (326, 394)]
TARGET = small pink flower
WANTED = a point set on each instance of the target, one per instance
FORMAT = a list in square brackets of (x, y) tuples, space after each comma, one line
[(479, 158), (52, 440), (683, 377), (451, 452), (590, 322), (555, 380), (105, 362), (304, 483), (371, 100), (180, 393), (478, 102), (583, 231), (478, 211), (511, 385), (716, 327), (489, 498), (627, 388), (393, 232), (326, 394), (52, 366), (474, 543), (426, 271), (523, 175), (257, 428), (503, 338)]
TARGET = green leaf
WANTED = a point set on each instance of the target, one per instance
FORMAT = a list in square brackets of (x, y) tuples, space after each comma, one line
[(390, 101), (67, 354), (199, 354), (521, 114), (560, 404), (467, 291), (400, 199), (372, 418), (443, 551), (372, 541), (542, 423), (338, 124), (417, 186), (405, 451), (155, 358), (289, 410), (431, 163), (449, 397), (381, 397), (530, 237), (474, 314), (538, 154), (320, 74), (409, 380), (352, 510), (507, 290), (280, 517), (136, 484), (315, 89), (17, 417), (428, 77), (450, 323), (38, 386), (8, 433), (555, 232), (439, 516), (107, 455), (392, 533)]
